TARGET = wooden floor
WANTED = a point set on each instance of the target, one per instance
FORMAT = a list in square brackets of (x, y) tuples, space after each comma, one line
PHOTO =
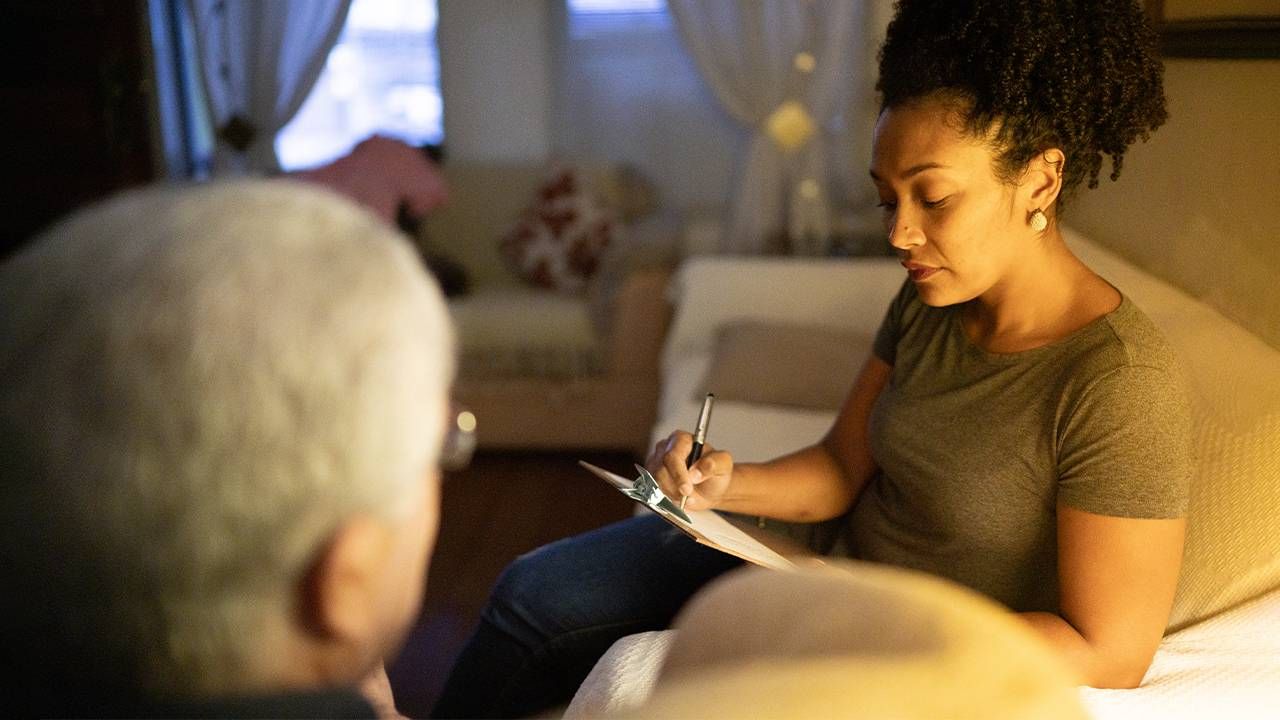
[(503, 505)]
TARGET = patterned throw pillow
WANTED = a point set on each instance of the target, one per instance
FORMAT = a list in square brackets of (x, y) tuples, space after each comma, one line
[(559, 239)]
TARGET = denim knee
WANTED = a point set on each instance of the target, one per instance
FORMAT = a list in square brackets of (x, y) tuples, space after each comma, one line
[(605, 577), (522, 602)]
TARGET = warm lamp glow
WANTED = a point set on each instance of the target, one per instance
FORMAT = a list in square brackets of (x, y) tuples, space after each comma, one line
[(790, 125)]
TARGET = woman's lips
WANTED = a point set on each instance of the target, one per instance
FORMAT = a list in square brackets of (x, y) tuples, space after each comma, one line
[(919, 273)]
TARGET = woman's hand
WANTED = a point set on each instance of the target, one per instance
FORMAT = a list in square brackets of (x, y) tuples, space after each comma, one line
[(705, 483)]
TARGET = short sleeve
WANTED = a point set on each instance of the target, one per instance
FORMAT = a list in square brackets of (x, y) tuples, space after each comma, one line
[(885, 345), (1125, 449)]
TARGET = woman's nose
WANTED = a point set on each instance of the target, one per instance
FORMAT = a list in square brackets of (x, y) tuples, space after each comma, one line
[(903, 234)]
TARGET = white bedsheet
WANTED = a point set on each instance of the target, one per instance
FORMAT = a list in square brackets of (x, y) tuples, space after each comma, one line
[(1225, 667), (624, 677)]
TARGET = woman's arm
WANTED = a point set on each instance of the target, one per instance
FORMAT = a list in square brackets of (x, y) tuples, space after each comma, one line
[(1116, 580), (815, 483)]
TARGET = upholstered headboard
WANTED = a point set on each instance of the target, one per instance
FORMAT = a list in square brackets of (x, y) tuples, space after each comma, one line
[(1199, 204)]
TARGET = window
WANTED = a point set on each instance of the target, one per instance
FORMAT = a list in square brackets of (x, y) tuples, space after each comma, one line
[(592, 18), (616, 6), (628, 92), (382, 76)]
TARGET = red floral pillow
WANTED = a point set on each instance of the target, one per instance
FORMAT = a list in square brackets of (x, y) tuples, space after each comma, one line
[(559, 239)]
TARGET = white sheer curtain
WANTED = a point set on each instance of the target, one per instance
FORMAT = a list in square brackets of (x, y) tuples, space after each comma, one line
[(785, 70), (259, 59)]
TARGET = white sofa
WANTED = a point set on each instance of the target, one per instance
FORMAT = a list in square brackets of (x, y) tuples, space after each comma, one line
[(542, 369), (1221, 654)]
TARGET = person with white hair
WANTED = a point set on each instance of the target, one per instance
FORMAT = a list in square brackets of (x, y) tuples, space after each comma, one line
[(223, 410)]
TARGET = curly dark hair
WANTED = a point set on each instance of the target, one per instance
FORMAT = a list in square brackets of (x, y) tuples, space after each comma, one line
[(1080, 75)]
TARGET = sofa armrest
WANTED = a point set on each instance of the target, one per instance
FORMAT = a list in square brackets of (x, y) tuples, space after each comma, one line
[(710, 291), (641, 315)]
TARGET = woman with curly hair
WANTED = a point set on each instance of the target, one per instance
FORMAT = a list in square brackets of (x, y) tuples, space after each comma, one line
[(1020, 426)]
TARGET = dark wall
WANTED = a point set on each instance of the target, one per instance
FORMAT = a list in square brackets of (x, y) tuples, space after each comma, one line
[(74, 108)]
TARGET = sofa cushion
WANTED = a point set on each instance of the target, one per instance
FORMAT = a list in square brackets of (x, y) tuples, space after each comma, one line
[(484, 199), (559, 238), (524, 332), (650, 244), (771, 363)]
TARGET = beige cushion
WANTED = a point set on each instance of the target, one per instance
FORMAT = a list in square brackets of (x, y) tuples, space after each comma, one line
[(1233, 535), (524, 332), (855, 640), (770, 363), (484, 200)]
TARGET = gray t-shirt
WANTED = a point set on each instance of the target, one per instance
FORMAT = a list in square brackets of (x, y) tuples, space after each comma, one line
[(975, 449)]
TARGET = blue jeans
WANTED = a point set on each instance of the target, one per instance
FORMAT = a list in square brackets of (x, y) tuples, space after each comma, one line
[(556, 610)]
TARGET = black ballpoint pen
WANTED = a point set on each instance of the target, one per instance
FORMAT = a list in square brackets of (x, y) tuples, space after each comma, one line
[(699, 437)]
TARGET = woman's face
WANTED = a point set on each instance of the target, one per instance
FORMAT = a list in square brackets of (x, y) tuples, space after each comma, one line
[(954, 223)]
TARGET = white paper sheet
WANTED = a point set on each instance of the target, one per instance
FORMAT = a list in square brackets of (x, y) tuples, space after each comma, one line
[(708, 527)]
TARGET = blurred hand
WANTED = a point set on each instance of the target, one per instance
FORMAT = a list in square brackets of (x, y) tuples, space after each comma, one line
[(705, 483)]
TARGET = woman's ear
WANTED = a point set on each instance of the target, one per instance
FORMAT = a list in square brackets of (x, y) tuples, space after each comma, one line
[(1042, 180)]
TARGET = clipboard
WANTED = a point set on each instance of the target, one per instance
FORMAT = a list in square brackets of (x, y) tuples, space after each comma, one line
[(707, 527)]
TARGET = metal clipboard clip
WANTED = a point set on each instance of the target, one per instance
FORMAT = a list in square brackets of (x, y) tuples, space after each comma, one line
[(646, 490)]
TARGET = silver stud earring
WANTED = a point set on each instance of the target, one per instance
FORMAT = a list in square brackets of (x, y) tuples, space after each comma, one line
[(1038, 221)]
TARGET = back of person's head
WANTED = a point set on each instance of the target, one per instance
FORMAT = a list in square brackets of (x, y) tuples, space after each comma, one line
[(216, 403)]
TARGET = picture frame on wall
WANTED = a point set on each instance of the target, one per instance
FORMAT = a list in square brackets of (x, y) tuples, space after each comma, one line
[(1228, 29)]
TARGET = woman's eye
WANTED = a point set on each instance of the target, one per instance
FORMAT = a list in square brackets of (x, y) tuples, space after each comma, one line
[(887, 206), (932, 204)]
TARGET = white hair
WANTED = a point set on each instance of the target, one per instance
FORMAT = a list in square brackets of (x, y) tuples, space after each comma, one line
[(198, 386)]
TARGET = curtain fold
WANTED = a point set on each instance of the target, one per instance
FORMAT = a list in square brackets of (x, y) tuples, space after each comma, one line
[(627, 91), (259, 60), (784, 70)]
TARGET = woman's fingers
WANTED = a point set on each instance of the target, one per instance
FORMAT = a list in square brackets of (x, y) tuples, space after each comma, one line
[(673, 461), (707, 476), (710, 463), (712, 474), (667, 469), (667, 463), (654, 461)]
